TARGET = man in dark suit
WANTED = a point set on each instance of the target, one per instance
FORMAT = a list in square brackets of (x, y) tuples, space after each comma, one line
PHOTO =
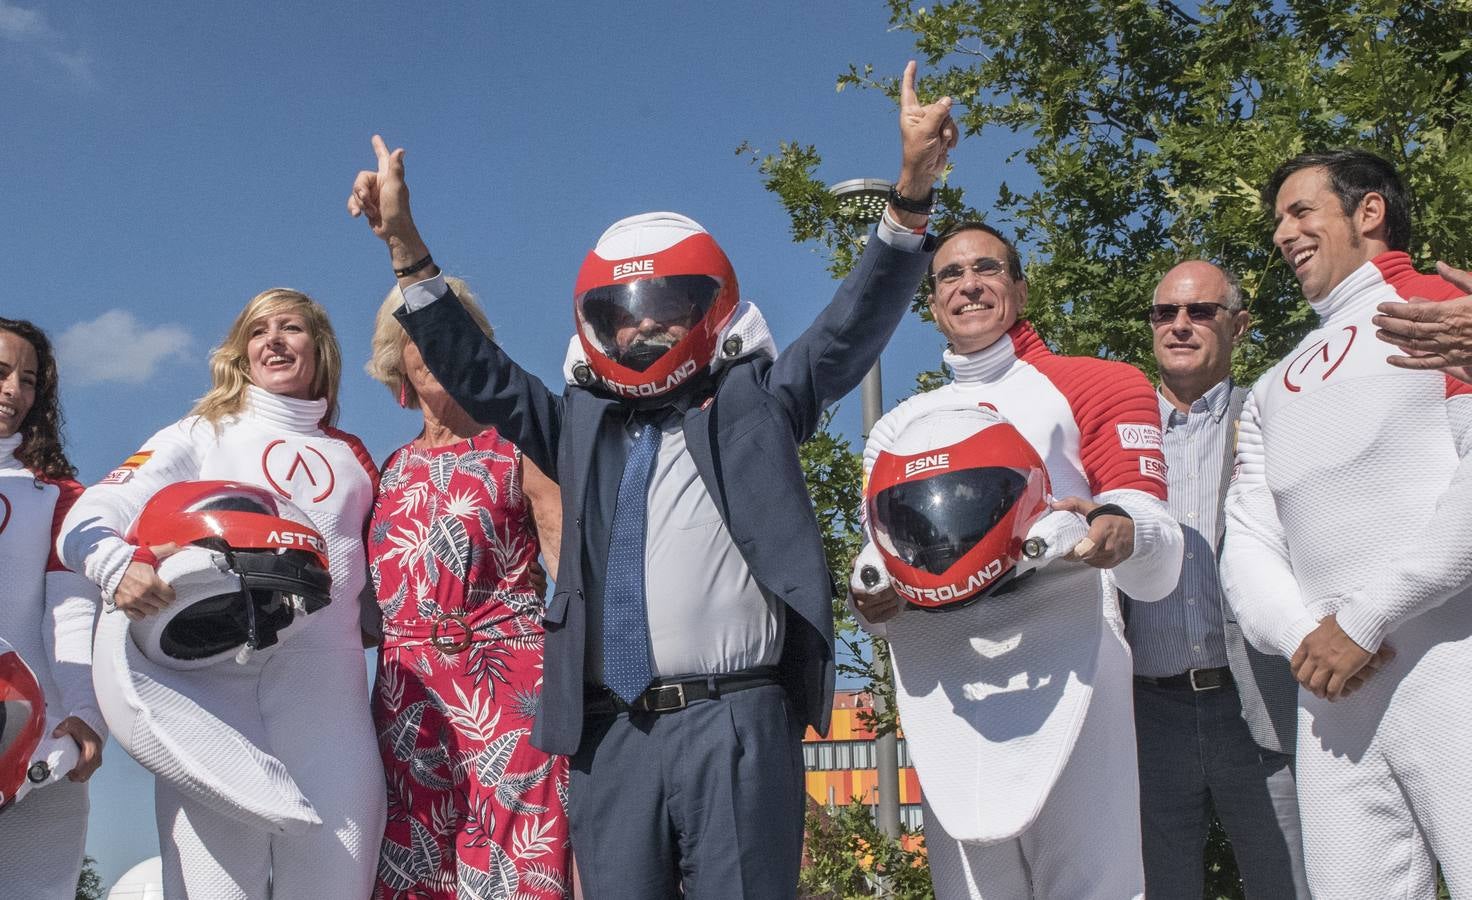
[(689, 640), (1214, 718)]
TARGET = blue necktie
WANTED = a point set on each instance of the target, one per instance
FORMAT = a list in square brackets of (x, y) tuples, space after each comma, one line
[(626, 667)]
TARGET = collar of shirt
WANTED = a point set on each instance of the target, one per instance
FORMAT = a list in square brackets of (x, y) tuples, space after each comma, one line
[(1214, 402)]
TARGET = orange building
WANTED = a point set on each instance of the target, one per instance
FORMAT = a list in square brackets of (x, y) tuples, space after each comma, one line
[(841, 766)]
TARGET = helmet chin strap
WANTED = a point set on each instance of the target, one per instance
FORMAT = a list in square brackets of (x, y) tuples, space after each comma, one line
[(643, 354), (252, 634)]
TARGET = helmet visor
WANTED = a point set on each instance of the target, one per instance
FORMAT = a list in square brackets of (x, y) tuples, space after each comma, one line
[(634, 324), (931, 523)]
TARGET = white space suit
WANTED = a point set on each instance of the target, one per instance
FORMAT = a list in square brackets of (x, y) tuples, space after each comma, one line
[(46, 614), (304, 701), (1018, 709), (1353, 496)]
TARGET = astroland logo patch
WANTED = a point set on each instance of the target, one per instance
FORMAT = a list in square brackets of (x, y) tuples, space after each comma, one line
[(125, 471), (1138, 437)]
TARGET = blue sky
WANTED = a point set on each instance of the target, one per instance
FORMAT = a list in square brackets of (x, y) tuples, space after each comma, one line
[(163, 162)]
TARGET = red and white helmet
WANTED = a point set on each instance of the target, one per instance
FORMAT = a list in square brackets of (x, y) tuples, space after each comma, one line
[(22, 723), (252, 568), (650, 302), (950, 505)]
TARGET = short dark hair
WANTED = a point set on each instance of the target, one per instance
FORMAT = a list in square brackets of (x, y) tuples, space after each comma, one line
[(1014, 261), (1353, 174), (41, 442)]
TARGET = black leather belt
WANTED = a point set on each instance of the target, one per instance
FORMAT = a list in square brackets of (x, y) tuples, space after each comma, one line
[(1195, 679), (674, 694)]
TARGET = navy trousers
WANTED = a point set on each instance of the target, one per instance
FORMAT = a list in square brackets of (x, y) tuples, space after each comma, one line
[(708, 800), (1196, 754)]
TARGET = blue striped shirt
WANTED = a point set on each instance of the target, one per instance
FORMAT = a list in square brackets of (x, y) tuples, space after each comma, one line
[(1184, 630)]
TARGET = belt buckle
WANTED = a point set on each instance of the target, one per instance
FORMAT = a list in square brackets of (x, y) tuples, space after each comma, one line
[(654, 698), (1191, 677), (442, 642)]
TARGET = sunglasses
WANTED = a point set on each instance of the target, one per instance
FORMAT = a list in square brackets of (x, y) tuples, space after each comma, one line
[(1163, 313), (984, 266)]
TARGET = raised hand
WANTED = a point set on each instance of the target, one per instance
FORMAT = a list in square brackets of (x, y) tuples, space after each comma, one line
[(382, 197), (927, 134)]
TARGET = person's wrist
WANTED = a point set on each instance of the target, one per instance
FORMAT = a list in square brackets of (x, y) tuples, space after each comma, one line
[(405, 250)]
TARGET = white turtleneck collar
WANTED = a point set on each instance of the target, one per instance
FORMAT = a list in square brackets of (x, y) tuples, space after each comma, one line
[(1350, 296), (992, 363), (287, 413), (8, 446)]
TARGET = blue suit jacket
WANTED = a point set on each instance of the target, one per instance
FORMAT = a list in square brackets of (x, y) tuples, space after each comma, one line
[(744, 444)]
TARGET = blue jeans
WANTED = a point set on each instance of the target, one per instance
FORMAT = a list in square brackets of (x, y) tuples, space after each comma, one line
[(1196, 754)]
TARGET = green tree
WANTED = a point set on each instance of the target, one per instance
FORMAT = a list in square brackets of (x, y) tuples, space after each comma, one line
[(89, 884), (1150, 128)]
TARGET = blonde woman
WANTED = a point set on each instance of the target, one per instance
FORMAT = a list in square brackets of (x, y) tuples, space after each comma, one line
[(266, 421), (457, 525)]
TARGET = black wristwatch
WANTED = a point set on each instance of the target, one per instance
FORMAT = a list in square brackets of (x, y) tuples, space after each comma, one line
[(921, 207)]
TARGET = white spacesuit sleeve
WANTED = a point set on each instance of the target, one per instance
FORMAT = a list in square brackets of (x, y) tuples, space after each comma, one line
[(1255, 570), (1441, 566), (66, 629), (91, 540), (1154, 567)]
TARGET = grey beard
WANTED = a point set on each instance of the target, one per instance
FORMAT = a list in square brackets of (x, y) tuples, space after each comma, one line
[(645, 352)]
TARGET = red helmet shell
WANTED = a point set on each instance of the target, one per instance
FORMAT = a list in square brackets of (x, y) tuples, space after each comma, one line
[(646, 247), (966, 571), (243, 516), (22, 724)]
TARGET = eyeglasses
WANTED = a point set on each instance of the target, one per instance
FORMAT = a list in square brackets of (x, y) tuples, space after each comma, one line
[(1163, 313), (983, 266)]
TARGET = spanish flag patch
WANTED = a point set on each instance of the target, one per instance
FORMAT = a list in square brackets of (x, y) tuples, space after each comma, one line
[(125, 471)]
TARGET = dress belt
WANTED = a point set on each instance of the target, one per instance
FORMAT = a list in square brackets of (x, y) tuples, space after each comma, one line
[(673, 694), (1195, 679)]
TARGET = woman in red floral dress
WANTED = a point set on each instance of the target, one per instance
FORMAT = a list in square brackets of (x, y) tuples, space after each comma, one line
[(474, 810)]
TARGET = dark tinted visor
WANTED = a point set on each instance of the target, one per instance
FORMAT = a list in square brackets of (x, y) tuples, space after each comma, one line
[(673, 300), (217, 624), (931, 523)]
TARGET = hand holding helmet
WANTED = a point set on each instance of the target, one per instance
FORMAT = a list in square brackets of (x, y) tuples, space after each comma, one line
[(29, 758), (1111, 535), (141, 592)]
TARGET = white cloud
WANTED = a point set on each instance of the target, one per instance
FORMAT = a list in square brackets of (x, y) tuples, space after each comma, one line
[(116, 347), (19, 23), (29, 26)]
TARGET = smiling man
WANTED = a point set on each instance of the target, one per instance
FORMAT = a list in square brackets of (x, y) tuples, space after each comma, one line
[(1349, 528), (1017, 707), (1214, 719)]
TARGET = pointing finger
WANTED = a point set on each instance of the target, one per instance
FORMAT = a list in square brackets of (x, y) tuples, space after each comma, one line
[(380, 149), (908, 100)]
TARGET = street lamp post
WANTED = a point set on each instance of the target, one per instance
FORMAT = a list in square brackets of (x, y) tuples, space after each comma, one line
[(864, 200)]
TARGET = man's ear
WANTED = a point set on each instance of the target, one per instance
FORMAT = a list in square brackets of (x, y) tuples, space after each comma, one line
[(1369, 218), (1241, 323)]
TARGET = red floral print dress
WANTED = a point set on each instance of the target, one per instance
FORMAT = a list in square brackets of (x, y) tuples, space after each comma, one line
[(474, 810)]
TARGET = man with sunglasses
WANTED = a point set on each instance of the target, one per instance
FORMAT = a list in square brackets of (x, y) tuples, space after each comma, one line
[(1214, 718), (1349, 530), (1017, 707)]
